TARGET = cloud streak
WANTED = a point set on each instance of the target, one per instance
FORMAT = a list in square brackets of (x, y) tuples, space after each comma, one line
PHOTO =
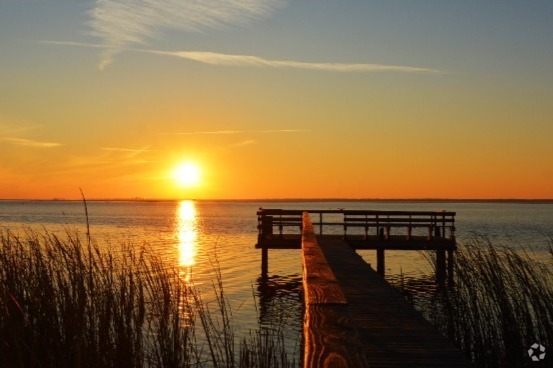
[(248, 142), (15, 126), (29, 142), (214, 58), (130, 151), (220, 59), (229, 132), (120, 23)]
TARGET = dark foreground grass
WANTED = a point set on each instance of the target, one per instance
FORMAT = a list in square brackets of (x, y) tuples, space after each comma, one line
[(500, 305), (65, 302)]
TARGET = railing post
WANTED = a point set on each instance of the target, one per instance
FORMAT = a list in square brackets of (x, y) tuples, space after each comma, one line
[(443, 225), (320, 223), (266, 226), (429, 237), (378, 232), (366, 228)]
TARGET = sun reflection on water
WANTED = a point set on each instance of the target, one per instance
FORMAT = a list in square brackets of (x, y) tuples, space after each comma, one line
[(186, 234)]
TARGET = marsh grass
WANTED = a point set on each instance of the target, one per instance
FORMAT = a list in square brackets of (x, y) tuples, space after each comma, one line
[(501, 303), (69, 303)]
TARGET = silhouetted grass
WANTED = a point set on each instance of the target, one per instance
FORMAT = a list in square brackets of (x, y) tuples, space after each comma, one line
[(501, 303), (68, 303)]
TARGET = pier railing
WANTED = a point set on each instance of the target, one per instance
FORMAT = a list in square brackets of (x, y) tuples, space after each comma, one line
[(381, 224)]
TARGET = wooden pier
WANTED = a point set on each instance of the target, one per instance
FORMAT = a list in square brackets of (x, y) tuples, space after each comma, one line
[(353, 317), (378, 230)]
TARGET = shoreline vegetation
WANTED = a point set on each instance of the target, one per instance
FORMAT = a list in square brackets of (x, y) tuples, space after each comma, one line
[(67, 302), (500, 305)]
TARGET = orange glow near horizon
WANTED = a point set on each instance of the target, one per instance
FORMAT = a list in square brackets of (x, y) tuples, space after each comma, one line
[(443, 120)]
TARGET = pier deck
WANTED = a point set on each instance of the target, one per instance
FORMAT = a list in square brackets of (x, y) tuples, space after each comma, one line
[(391, 332)]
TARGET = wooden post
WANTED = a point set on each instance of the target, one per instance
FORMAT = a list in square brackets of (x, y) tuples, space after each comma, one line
[(266, 226), (443, 226), (440, 266), (264, 262), (380, 263), (321, 223), (366, 229)]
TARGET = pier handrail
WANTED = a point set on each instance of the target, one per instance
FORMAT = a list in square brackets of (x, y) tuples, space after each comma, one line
[(437, 222)]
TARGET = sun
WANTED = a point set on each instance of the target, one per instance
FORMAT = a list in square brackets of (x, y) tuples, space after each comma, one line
[(187, 174)]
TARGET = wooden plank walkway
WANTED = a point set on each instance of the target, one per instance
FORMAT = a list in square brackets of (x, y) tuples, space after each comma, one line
[(391, 331), (330, 335)]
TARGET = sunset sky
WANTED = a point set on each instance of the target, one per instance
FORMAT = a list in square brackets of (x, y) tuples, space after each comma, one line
[(276, 99)]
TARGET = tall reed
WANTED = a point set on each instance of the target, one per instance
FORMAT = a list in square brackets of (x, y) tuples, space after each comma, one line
[(500, 305), (65, 303)]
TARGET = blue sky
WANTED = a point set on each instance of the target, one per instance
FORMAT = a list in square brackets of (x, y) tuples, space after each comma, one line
[(470, 78)]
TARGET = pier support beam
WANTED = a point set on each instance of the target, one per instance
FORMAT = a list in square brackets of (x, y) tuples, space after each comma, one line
[(264, 263), (380, 263)]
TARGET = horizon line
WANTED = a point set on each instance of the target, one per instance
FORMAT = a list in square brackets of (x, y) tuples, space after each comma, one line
[(336, 199)]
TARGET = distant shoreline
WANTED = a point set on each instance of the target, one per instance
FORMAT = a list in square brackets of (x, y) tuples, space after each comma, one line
[(292, 200)]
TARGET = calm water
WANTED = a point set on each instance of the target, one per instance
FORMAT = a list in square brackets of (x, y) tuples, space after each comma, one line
[(195, 235)]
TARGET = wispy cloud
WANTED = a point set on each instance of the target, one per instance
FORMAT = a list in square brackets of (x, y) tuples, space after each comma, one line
[(15, 126), (247, 142), (130, 151), (12, 130), (214, 58), (110, 158), (124, 156), (229, 132), (120, 23), (29, 142), (220, 59), (72, 43)]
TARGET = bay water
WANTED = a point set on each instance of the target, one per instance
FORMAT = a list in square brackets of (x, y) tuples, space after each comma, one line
[(200, 237)]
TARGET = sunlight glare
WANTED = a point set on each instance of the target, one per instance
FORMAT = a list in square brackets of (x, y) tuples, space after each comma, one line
[(187, 174), (186, 234)]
